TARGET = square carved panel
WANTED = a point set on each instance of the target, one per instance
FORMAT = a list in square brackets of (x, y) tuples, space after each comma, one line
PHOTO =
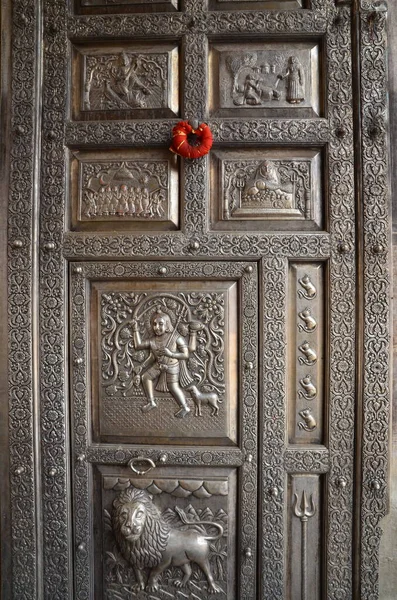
[(128, 81), (230, 5), (165, 349), (265, 79), (135, 189), (249, 186), (172, 512)]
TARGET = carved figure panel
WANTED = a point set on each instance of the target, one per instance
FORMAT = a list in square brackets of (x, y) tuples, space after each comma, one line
[(252, 185), (166, 357), (256, 78), (167, 536), (130, 189), (307, 353), (122, 82)]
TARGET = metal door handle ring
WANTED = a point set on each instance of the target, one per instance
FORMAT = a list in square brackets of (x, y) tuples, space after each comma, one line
[(140, 459)]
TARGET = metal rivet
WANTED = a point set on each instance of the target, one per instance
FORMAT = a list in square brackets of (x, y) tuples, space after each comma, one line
[(341, 482), (19, 470), (17, 244), (195, 245), (163, 458), (343, 247), (249, 366), (377, 248), (78, 361), (81, 547), (248, 269), (375, 485), (249, 458), (77, 270), (162, 270), (49, 246), (52, 472), (273, 491), (81, 458), (248, 553), (340, 132)]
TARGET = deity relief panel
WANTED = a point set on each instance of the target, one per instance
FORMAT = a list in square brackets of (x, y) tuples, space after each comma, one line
[(166, 361), (166, 535), (122, 82), (264, 185), (128, 189), (262, 77)]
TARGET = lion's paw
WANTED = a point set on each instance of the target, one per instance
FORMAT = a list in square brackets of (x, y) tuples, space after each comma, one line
[(153, 587), (137, 587), (214, 589), (179, 583)]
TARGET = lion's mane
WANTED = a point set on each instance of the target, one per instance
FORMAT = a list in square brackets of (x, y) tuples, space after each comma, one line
[(148, 549)]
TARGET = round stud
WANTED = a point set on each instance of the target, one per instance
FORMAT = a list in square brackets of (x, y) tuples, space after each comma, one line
[(163, 459), (78, 361), (20, 130), (249, 458), (248, 269), (273, 491), (52, 472), (49, 246), (343, 247), (52, 135), (248, 553), (77, 270), (249, 366), (377, 248), (195, 245), (81, 458), (162, 270), (19, 470), (81, 547), (17, 244), (341, 482), (375, 485), (340, 132)]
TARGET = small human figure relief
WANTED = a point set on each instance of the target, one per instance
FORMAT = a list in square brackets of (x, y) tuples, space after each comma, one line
[(309, 422), (309, 290), (295, 79), (309, 391), (125, 80), (257, 75), (255, 188), (309, 323), (132, 190), (167, 345), (160, 546), (310, 356)]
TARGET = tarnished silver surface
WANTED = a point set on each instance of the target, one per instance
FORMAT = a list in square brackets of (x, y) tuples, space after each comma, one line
[(245, 258)]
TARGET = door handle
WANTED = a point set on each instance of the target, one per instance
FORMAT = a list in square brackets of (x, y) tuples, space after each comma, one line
[(141, 459)]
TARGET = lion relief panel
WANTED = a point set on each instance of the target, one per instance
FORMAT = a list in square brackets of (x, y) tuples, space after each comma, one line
[(128, 81), (165, 361), (167, 536)]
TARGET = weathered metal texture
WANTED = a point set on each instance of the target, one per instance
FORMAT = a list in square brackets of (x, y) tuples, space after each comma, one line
[(377, 265), (23, 482), (55, 521)]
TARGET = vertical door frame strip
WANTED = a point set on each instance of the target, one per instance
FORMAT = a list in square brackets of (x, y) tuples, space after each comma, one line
[(377, 291), (22, 210)]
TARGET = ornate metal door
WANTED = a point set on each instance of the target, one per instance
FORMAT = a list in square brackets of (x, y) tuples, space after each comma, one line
[(197, 317)]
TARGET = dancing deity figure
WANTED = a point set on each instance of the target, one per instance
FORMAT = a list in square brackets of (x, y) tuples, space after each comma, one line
[(166, 362)]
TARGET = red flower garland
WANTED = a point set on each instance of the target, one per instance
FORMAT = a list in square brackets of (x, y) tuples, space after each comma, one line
[(181, 146)]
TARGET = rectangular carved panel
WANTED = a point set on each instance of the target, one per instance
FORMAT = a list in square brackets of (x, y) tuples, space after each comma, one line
[(266, 185), (306, 357), (263, 79), (124, 6), (128, 81), (256, 4), (165, 355), (165, 534), (305, 532), (129, 189)]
